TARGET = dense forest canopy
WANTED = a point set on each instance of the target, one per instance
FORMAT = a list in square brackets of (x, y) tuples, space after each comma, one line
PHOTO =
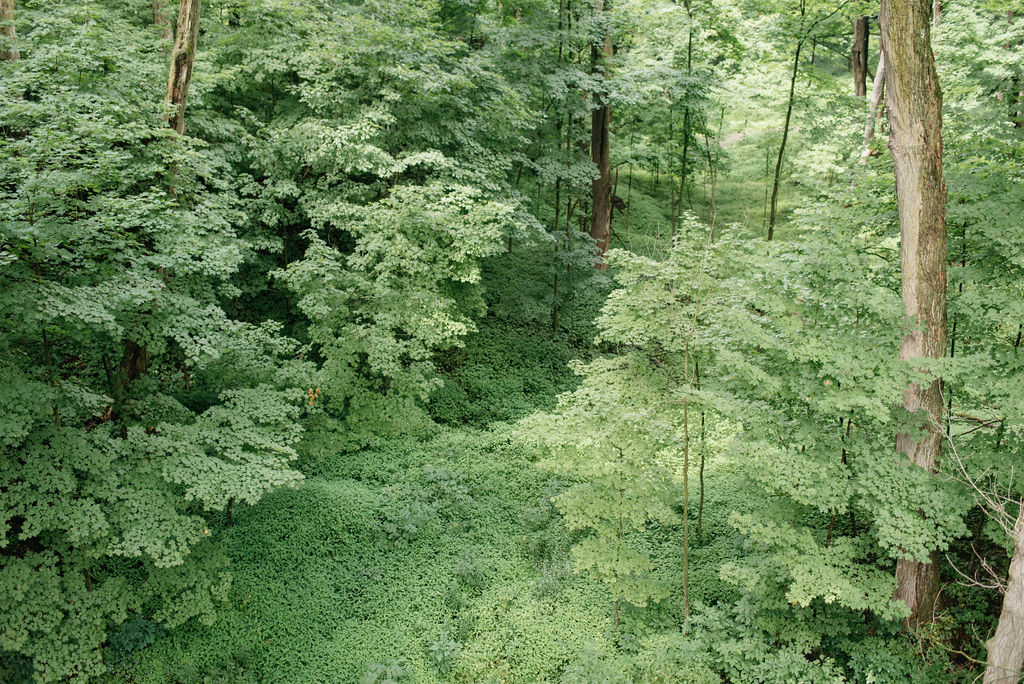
[(565, 341)]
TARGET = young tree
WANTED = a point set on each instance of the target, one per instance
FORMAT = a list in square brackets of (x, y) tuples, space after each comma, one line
[(601, 218), (182, 58), (875, 111), (604, 441), (802, 21), (914, 101)]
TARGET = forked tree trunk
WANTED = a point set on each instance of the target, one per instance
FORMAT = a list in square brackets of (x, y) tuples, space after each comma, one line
[(914, 101), (182, 58), (1006, 647), (601, 200), (11, 53), (875, 113), (859, 56), (160, 20)]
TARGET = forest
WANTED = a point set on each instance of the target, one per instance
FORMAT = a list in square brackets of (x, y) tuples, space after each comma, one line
[(512, 341)]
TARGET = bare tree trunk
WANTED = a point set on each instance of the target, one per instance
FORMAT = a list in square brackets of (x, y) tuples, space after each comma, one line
[(1006, 647), (859, 56), (10, 54), (678, 209), (914, 100), (160, 20), (601, 217), (182, 58), (875, 113), (686, 507), (936, 13), (782, 146)]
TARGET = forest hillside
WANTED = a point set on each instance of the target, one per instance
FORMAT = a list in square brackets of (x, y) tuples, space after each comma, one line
[(512, 341)]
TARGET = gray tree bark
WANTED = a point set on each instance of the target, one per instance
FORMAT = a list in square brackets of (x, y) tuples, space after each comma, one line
[(1006, 647), (914, 100)]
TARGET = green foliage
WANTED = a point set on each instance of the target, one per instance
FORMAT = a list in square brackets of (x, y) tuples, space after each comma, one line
[(327, 595), (371, 253), (406, 291), (134, 404), (593, 666), (622, 483)]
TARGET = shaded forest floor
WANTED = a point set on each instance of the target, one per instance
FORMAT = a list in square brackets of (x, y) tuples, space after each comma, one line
[(438, 556)]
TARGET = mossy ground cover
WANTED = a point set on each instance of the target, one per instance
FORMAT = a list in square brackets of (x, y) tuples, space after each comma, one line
[(438, 559)]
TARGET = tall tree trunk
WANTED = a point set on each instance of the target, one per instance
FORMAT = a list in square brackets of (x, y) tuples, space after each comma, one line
[(601, 217), (11, 53), (875, 113), (782, 146), (914, 101), (135, 359), (936, 13), (678, 210), (859, 56), (160, 20), (182, 58), (1006, 647)]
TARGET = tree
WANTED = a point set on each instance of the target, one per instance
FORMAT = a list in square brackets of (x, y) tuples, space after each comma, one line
[(914, 101), (1006, 647), (183, 56), (109, 485), (7, 33), (160, 20), (859, 56), (600, 223), (603, 440), (875, 110), (804, 20)]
